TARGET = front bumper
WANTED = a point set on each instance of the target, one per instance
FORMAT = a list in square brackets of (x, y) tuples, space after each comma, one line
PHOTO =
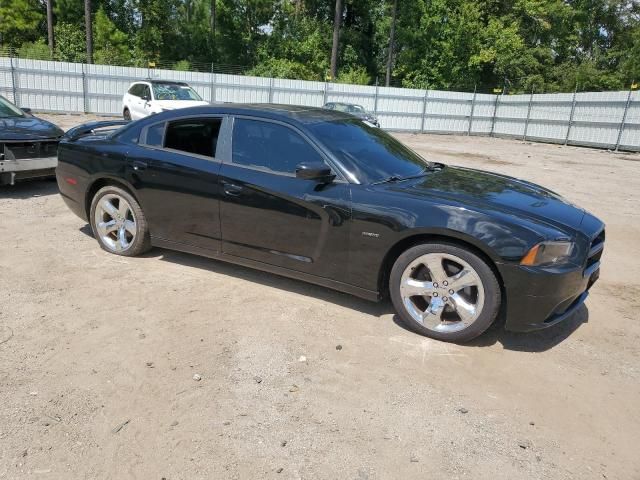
[(541, 298), (23, 168)]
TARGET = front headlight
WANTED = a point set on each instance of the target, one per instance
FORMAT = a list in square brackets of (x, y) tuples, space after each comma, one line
[(548, 253)]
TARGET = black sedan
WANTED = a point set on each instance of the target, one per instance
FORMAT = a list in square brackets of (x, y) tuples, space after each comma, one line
[(28, 144), (321, 196)]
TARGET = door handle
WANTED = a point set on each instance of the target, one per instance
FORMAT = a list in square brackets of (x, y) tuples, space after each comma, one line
[(138, 165), (232, 189)]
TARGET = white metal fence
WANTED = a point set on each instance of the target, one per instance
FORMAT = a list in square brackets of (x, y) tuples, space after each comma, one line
[(599, 119)]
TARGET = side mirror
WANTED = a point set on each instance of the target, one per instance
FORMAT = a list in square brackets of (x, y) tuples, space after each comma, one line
[(316, 171), (146, 98), (26, 110)]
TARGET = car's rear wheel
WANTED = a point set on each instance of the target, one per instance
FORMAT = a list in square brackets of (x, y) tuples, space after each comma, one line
[(126, 114), (118, 222), (444, 291)]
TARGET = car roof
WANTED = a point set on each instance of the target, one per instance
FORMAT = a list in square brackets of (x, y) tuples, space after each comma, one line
[(160, 82), (288, 113)]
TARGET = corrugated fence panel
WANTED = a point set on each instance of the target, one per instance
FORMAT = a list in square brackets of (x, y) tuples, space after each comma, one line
[(511, 115), (400, 108), (359, 94), (447, 111), (297, 92), (483, 110), (630, 138), (591, 118), (6, 81), (59, 90), (240, 89), (597, 117), (549, 117), (106, 84)]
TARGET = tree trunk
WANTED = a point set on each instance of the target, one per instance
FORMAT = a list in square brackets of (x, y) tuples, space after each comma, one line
[(213, 25), (392, 39), (336, 39), (88, 30), (50, 26)]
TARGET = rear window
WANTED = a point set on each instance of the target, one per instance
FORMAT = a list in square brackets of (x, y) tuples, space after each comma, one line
[(198, 136)]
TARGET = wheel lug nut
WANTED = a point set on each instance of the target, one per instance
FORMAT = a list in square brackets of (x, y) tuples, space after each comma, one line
[(451, 292), (445, 299), (435, 294), (435, 285), (445, 283)]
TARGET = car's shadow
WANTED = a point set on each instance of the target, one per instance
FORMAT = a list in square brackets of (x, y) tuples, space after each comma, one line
[(273, 280), (30, 188), (539, 341)]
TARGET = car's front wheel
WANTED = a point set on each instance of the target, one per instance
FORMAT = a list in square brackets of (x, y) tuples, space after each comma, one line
[(118, 222), (444, 291), (126, 114)]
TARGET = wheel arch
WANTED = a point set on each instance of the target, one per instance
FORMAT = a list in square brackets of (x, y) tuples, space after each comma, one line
[(418, 238), (101, 182)]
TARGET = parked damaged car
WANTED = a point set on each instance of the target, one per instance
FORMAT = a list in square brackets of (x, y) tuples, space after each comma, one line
[(321, 196), (28, 145)]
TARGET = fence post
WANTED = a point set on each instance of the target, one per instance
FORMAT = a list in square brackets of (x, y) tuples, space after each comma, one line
[(13, 78), (526, 123), (425, 101), (473, 107), (213, 85), (495, 111), (375, 101), (324, 94), (84, 91), (624, 118), (271, 90), (573, 109)]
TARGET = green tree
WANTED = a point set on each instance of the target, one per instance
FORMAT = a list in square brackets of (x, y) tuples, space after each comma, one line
[(20, 21), (70, 43), (111, 45), (37, 50)]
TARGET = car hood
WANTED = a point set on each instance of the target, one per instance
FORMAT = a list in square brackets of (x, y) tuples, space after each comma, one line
[(499, 192), (27, 128), (175, 104)]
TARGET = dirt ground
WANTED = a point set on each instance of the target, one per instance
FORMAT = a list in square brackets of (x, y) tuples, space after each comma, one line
[(98, 355)]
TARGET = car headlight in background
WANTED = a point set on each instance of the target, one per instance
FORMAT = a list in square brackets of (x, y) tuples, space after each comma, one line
[(548, 253)]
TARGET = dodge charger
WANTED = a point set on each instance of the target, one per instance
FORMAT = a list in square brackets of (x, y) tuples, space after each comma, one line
[(320, 196)]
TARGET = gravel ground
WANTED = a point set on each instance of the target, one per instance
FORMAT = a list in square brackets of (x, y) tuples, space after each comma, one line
[(98, 356)]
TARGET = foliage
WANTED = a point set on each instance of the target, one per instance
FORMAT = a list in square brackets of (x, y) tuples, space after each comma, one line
[(20, 21), (70, 43), (546, 45), (282, 68), (112, 45), (37, 50), (182, 66), (356, 75)]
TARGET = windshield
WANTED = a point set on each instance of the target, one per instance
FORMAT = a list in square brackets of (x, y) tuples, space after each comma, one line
[(168, 91), (370, 154), (8, 109)]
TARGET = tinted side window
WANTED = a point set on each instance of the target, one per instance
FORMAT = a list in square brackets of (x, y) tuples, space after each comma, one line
[(270, 146), (145, 91), (155, 135), (199, 136), (135, 90)]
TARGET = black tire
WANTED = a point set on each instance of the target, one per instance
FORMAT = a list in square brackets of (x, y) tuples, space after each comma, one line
[(141, 242), (126, 114), (492, 294)]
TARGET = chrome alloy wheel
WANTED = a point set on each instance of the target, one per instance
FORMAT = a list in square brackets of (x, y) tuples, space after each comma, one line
[(442, 292), (115, 222)]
